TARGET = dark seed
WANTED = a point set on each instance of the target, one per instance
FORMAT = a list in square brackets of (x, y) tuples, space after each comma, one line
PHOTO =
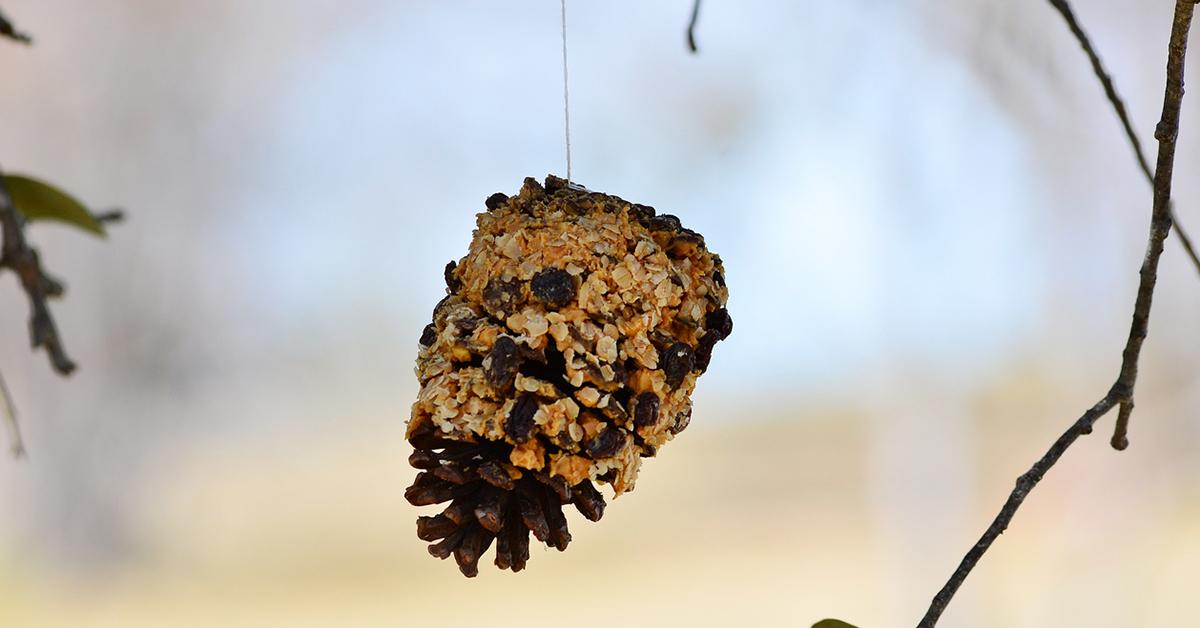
[(682, 421), (615, 411), (607, 443), (442, 304), (428, 335), (719, 278), (505, 360), (452, 282), (503, 296), (519, 423), (645, 409), (554, 287), (648, 451), (496, 200), (719, 323), (588, 501), (677, 363)]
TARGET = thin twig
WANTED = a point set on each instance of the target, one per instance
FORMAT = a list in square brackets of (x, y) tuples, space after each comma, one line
[(8, 30), (16, 254), (1025, 484), (16, 443), (1118, 106), (1121, 392), (1166, 133), (110, 216), (691, 29)]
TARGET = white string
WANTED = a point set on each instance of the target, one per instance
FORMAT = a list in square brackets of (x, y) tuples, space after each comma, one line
[(566, 93)]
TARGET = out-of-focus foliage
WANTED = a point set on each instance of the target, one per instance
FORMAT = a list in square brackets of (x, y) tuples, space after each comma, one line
[(832, 623), (37, 200)]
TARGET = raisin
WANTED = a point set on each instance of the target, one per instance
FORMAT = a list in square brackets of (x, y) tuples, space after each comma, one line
[(519, 423), (607, 443), (505, 361), (719, 322), (554, 287), (704, 351), (452, 282), (503, 296), (428, 335), (678, 361), (645, 412), (495, 201)]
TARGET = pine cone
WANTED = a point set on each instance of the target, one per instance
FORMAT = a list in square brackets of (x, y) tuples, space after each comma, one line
[(566, 350)]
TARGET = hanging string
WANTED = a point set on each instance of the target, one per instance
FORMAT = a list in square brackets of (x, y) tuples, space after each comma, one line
[(566, 93)]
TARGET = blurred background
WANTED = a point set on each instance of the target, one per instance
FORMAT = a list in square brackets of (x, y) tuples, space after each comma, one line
[(931, 224)]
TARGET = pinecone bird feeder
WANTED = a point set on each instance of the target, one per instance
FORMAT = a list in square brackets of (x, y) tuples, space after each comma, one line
[(566, 350)]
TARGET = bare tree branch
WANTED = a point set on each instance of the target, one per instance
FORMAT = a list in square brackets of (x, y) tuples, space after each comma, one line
[(1121, 392), (16, 443), (691, 29), (17, 255), (1118, 105), (8, 30)]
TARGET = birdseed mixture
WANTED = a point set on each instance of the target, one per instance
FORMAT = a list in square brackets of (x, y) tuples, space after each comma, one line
[(566, 351)]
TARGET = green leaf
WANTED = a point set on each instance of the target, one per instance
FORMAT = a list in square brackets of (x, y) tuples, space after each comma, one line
[(832, 623), (38, 200)]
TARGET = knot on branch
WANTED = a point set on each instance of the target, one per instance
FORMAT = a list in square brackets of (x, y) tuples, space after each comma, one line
[(8, 30), (1166, 132), (18, 256)]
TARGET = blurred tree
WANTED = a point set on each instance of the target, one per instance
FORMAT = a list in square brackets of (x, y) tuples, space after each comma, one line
[(23, 200)]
